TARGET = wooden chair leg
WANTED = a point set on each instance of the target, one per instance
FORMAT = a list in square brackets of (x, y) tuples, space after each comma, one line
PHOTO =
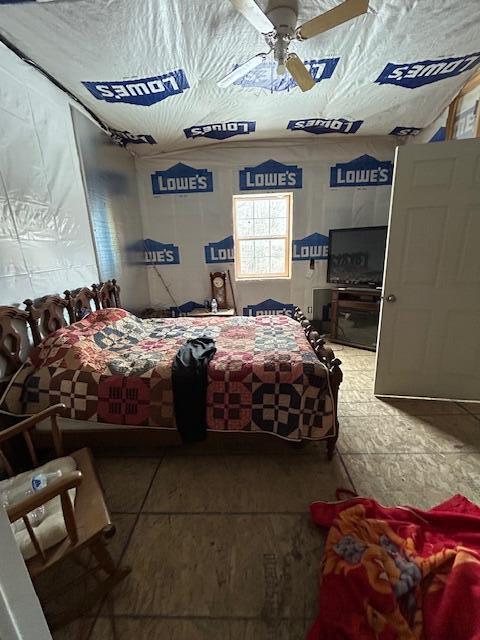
[(103, 557), (331, 442), (105, 561)]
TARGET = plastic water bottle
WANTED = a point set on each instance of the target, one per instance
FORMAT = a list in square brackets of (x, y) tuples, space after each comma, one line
[(214, 306), (40, 480), (10, 497)]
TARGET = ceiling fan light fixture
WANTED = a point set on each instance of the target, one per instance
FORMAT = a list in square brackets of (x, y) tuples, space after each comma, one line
[(278, 27), (242, 70)]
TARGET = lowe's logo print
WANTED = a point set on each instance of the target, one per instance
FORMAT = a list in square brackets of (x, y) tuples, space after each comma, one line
[(465, 123), (151, 252), (266, 77), (321, 125), (221, 251), (417, 74), (185, 308), (159, 253), (141, 91), (439, 135), (269, 308), (221, 130), (313, 247), (125, 137), (365, 171), (181, 179), (404, 131), (271, 175)]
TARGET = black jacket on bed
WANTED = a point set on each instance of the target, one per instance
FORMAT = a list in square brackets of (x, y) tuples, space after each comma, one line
[(189, 382)]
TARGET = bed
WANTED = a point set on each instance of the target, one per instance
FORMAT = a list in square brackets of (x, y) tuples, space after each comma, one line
[(113, 370)]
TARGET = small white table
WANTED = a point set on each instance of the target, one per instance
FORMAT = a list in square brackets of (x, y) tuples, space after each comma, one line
[(204, 313)]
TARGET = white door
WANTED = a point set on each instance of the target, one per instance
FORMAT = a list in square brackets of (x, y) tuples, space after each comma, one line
[(429, 335)]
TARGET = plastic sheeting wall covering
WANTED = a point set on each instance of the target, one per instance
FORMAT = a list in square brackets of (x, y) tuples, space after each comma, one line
[(45, 239), (149, 69), (340, 183), (110, 182)]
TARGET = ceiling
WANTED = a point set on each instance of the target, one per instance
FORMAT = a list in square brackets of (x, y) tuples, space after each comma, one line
[(175, 51)]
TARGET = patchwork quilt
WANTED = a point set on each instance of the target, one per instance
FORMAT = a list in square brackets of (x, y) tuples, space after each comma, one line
[(112, 367)]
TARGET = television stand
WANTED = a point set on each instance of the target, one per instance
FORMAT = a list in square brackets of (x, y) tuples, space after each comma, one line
[(355, 313)]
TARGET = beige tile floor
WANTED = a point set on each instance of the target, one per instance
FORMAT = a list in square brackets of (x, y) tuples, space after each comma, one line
[(219, 537)]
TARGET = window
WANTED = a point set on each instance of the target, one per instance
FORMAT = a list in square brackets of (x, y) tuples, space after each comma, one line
[(262, 235)]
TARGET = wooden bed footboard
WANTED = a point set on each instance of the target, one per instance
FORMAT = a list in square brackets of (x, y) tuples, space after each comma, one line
[(327, 357)]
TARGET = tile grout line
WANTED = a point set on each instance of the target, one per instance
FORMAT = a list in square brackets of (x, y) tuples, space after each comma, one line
[(470, 413), (412, 453), (344, 464), (129, 537)]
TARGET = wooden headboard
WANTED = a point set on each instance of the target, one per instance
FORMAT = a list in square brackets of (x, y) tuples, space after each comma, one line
[(20, 329)]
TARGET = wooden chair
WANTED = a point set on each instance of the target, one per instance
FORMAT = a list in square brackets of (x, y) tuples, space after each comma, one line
[(49, 311), (80, 303), (107, 294), (87, 521)]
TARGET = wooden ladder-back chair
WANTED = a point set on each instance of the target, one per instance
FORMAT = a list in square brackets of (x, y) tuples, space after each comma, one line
[(80, 303), (107, 294), (12, 340), (49, 312), (87, 520)]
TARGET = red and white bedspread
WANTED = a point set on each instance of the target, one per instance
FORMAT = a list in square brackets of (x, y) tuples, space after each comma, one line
[(114, 368)]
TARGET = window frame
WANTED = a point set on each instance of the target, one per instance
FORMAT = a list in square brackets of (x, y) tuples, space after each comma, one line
[(287, 273)]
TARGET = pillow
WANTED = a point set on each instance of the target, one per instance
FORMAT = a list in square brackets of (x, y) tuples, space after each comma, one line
[(51, 530)]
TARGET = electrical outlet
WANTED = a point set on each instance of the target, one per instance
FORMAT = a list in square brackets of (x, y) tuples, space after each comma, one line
[(309, 309)]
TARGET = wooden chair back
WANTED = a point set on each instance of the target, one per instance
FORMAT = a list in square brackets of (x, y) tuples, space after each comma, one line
[(87, 521), (51, 312), (21, 510), (18, 331), (107, 294), (80, 303)]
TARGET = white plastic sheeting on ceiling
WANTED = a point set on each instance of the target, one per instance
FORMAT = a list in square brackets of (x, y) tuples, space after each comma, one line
[(151, 68)]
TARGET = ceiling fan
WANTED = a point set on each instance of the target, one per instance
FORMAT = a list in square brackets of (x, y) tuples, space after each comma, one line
[(278, 27)]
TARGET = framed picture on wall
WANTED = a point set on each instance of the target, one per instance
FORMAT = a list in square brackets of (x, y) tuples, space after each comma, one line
[(464, 112)]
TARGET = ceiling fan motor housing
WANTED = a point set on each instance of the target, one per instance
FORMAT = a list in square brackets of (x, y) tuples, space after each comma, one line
[(284, 19)]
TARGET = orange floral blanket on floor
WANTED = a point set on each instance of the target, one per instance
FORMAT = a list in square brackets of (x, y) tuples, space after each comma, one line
[(399, 573)]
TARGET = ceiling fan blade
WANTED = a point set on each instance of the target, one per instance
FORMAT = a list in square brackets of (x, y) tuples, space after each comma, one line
[(299, 72), (253, 13), (338, 15), (242, 70)]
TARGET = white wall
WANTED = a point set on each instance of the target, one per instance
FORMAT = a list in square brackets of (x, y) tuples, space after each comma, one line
[(192, 221), (21, 616), (45, 239)]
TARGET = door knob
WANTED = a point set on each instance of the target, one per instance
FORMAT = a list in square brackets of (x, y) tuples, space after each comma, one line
[(390, 298)]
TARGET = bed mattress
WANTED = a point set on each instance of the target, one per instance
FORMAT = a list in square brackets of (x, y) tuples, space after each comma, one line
[(114, 369)]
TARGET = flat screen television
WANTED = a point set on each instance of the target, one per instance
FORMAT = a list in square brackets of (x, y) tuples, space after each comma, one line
[(356, 256)]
